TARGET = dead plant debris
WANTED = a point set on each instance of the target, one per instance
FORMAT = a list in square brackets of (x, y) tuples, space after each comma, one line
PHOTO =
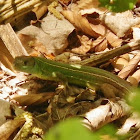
[(70, 31)]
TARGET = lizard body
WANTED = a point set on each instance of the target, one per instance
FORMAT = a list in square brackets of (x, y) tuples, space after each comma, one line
[(80, 75)]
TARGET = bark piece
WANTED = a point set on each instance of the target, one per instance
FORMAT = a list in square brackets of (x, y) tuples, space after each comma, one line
[(11, 41)]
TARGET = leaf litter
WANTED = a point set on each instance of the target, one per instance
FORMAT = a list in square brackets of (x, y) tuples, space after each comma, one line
[(94, 30)]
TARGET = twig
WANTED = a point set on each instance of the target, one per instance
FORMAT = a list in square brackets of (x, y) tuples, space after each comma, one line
[(101, 58)]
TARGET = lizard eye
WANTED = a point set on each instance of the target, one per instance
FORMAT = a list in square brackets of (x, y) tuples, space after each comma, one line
[(28, 62), (25, 63)]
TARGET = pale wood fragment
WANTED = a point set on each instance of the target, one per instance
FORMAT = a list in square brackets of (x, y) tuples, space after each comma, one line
[(11, 41), (12, 9)]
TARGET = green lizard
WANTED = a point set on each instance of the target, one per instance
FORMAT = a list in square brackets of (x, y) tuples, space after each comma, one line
[(80, 75)]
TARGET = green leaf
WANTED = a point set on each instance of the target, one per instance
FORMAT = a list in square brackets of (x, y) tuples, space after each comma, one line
[(70, 130), (118, 5), (134, 100)]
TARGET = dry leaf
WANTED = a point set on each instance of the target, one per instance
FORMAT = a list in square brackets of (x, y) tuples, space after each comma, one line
[(9, 127), (32, 99), (90, 6), (130, 67), (131, 122), (120, 23), (136, 33), (102, 46), (91, 28), (119, 63), (5, 110), (86, 44), (51, 34), (87, 95), (32, 45), (40, 11), (125, 56), (96, 26), (135, 78), (61, 112), (58, 30), (97, 41), (113, 40), (84, 25), (108, 111)]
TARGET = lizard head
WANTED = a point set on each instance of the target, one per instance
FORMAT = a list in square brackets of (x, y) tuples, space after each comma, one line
[(24, 63)]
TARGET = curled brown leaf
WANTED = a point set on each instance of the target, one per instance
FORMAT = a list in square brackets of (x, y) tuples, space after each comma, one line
[(83, 24), (108, 111), (130, 67)]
